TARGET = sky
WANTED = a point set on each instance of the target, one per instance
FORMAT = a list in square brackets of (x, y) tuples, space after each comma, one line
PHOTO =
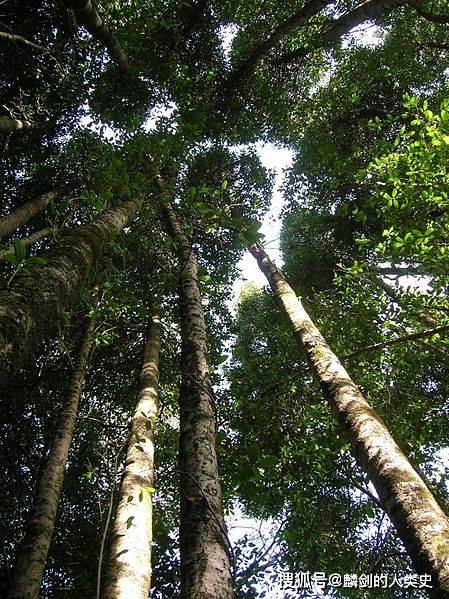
[(277, 159)]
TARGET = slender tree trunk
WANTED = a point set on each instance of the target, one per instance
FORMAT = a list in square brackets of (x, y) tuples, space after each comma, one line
[(30, 306), (27, 241), (418, 518), (129, 565), (22, 215), (91, 20), (205, 561), (30, 565), (10, 125)]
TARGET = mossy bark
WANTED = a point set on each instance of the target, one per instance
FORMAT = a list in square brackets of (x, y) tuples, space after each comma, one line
[(89, 18), (30, 306), (419, 520), (22, 215), (205, 561), (129, 564), (32, 554)]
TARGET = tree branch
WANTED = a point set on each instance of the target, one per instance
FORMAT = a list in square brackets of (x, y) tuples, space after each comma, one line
[(429, 16), (367, 11), (88, 17), (410, 337), (18, 39), (245, 68)]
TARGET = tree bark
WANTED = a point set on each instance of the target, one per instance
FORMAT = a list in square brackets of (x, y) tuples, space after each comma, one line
[(18, 39), (428, 15), (30, 565), (22, 215), (10, 125), (129, 564), (296, 20), (87, 16), (419, 520), (367, 11), (205, 561), (30, 306), (27, 241)]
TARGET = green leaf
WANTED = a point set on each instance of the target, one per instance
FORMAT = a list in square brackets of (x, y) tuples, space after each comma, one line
[(129, 522), (19, 249)]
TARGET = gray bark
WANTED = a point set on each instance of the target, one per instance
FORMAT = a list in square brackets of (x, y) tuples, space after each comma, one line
[(205, 561), (30, 565), (129, 565), (419, 520)]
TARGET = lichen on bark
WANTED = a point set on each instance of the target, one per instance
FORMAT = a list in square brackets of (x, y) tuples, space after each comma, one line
[(419, 520)]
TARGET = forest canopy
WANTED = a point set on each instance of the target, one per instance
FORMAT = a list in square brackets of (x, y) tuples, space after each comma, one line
[(170, 428)]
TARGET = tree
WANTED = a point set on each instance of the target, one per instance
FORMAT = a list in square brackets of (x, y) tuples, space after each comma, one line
[(129, 564), (31, 304), (204, 544), (118, 92), (21, 216), (421, 523), (32, 555)]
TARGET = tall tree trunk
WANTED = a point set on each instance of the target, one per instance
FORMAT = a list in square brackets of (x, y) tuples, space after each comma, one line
[(10, 125), (30, 565), (205, 562), (418, 518), (22, 215), (90, 19), (129, 565), (30, 306), (27, 241)]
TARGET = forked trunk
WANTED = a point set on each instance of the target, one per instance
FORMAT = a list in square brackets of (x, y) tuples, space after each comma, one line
[(419, 520)]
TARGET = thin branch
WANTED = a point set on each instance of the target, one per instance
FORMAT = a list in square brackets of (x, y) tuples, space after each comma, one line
[(411, 337)]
